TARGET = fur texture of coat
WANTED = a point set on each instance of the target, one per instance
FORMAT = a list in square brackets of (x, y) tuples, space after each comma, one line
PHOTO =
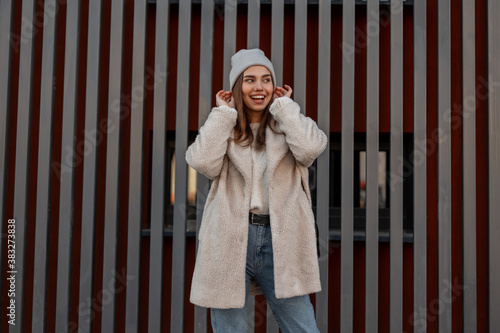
[(219, 274)]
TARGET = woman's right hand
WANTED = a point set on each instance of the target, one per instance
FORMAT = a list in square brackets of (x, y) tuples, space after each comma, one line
[(224, 98)]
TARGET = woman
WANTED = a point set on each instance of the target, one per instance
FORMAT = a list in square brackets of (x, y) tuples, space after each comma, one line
[(257, 232)]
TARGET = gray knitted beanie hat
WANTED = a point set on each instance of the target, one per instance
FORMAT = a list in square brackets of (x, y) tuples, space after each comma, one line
[(243, 59)]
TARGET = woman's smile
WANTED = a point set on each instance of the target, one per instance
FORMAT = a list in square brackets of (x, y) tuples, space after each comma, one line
[(259, 99)]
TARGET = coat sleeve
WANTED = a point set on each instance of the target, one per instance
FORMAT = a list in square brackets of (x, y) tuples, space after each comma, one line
[(303, 136), (206, 154)]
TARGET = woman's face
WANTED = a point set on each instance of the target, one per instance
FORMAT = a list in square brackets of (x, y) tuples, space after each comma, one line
[(257, 88)]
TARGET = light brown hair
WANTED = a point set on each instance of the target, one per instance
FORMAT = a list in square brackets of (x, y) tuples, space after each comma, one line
[(242, 132)]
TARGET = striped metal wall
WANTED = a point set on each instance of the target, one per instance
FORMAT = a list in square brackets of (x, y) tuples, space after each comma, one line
[(92, 93)]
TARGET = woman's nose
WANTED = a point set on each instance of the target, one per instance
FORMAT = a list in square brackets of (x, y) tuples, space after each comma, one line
[(258, 86)]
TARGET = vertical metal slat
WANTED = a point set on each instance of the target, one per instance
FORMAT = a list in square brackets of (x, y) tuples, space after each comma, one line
[(277, 27), (112, 163), (347, 164), (253, 24), (22, 158), (181, 137), (158, 170), (138, 92), (420, 167), (494, 163), (323, 162), (67, 175), (300, 66), (92, 136), (372, 152), (271, 324), (44, 170), (444, 161), (251, 313), (469, 166), (204, 106), (6, 11), (230, 11), (396, 210)]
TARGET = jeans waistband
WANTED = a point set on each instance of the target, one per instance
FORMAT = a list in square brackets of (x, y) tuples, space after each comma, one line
[(259, 219)]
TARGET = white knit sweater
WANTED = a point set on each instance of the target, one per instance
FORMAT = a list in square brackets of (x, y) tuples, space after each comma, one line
[(259, 202)]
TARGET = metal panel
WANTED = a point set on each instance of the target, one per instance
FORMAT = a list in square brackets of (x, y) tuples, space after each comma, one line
[(300, 55), (251, 313), (93, 135), (136, 160), (347, 156), (112, 163), (277, 28), (372, 148), (230, 11), (323, 162), (67, 175), (444, 162), (271, 323), (396, 167), (23, 158), (181, 137), (158, 169), (469, 165), (44, 170), (494, 164), (6, 11), (253, 24), (420, 168), (204, 106)]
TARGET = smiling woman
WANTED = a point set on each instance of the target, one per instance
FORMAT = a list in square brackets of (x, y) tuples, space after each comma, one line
[(256, 147)]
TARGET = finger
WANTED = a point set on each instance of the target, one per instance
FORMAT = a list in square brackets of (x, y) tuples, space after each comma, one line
[(289, 91)]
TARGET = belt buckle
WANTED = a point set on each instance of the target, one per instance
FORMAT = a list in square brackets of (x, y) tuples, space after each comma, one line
[(255, 223)]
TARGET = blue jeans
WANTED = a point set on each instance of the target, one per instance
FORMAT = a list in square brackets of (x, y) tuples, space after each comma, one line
[(294, 314)]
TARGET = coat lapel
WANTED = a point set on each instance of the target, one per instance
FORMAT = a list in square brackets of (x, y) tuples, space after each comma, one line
[(276, 149), (241, 157)]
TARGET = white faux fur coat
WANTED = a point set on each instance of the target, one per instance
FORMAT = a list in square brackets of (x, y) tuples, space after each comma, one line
[(219, 274)]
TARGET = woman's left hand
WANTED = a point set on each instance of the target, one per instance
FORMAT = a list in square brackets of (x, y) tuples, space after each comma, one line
[(283, 92)]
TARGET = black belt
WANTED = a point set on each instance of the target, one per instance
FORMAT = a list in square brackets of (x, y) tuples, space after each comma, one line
[(259, 219)]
